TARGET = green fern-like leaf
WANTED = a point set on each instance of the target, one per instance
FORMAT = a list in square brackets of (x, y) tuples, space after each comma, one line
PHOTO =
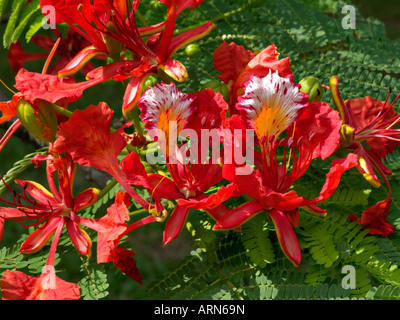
[(94, 285), (255, 237)]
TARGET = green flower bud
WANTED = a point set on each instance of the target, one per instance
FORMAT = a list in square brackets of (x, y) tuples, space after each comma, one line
[(150, 81), (217, 86), (312, 87), (43, 125), (193, 51)]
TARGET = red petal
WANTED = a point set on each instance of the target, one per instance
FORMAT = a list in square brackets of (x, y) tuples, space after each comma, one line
[(223, 57), (175, 224), (320, 124), (85, 199), (364, 111), (110, 228), (286, 236), (16, 285), (213, 200), (123, 260), (9, 109), (89, 10), (85, 136), (37, 191), (48, 87), (182, 4), (79, 238), (164, 187), (133, 91), (209, 114), (374, 218), (190, 36), (80, 60), (134, 170), (338, 167), (17, 56), (239, 215), (174, 69), (38, 238), (366, 167)]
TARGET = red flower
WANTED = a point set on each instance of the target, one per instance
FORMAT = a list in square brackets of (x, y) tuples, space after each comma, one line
[(161, 106), (368, 131), (272, 105), (111, 228), (66, 50), (51, 209), (246, 65), (16, 285), (111, 33), (85, 136)]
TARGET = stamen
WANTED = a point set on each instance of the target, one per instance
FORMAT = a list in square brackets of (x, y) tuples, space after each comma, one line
[(13, 92), (290, 152), (10, 131)]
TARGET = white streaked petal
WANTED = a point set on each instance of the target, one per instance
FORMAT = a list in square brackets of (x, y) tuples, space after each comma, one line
[(270, 105), (164, 103)]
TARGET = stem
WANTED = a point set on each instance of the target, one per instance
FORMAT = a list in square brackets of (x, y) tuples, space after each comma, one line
[(136, 212), (136, 121), (107, 188), (62, 111), (141, 18)]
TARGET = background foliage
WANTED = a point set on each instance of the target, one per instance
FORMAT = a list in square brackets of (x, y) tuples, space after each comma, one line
[(202, 263)]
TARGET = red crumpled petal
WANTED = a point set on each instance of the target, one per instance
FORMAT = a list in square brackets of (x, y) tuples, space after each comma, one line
[(108, 238), (134, 170), (320, 125), (338, 167), (85, 136), (16, 285), (374, 218), (230, 60), (32, 86), (123, 260), (364, 110), (9, 109), (209, 113), (264, 62)]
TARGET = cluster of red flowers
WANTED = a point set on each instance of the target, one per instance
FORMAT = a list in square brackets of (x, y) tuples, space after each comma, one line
[(289, 128)]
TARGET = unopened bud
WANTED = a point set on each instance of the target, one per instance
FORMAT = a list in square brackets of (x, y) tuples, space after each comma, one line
[(40, 121), (312, 86), (193, 51), (217, 86)]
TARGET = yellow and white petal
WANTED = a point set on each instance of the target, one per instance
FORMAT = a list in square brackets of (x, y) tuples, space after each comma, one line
[(271, 104)]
